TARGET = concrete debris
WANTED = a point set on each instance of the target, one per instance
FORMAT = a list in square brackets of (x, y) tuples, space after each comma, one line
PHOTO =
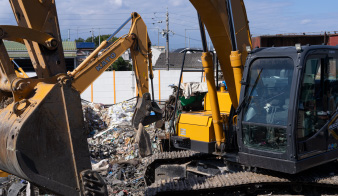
[(113, 149), (14, 186), (5, 101)]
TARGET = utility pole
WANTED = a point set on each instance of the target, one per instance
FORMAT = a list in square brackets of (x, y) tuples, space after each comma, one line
[(68, 34), (189, 41), (165, 32), (185, 38), (167, 40), (92, 35), (99, 36), (158, 37)]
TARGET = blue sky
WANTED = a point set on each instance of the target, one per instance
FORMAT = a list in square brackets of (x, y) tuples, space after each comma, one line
[(265, 16)]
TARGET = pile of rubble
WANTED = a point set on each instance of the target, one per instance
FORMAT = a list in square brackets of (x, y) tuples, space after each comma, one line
[(113, 150)]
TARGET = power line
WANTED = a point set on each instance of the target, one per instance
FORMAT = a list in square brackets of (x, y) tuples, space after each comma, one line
[(189, 37), (65, 19), (115, 13)]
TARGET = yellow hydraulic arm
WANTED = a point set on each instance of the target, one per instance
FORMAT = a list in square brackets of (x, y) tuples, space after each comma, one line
[(227, 25), (39, 16), (215, 16), (136, 40)]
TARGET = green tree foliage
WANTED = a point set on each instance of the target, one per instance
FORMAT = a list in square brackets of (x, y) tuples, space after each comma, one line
[(120, 65), (96, 39), (79, 40)]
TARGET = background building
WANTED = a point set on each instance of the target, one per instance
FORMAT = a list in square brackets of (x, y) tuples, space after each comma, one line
[(19, 53)]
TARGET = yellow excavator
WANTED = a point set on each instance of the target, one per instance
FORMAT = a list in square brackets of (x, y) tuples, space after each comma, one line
[(42, 137), (273, 131)]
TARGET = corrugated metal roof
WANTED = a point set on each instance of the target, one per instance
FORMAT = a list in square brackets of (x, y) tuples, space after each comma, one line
[(69, 46), (82, 45), (18, 50), (14, 46), (192, 61)]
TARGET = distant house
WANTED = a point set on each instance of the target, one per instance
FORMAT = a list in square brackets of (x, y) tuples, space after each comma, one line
[(292, 39), (83, 50), (19, 52), (160, 48), (182, 50), (333, 41), (157, 51), (192, 61)]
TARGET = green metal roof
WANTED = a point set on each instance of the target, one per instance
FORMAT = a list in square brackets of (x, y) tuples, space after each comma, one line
[(17, 50), (69, 46), (14, 46)]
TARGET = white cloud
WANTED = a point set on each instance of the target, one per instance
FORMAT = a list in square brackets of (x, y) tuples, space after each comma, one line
[(265, 16), (305, 21), (117, 3), (176, 2)]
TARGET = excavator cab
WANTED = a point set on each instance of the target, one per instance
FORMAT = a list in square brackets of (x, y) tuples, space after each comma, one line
[(288, 120)]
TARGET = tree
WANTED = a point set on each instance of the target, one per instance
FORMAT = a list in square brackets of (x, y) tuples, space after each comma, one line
[(97, 38), (120, 65), (79, 40)]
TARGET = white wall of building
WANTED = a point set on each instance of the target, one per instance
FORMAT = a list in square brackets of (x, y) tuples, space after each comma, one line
[(103, 87), (156, 54)]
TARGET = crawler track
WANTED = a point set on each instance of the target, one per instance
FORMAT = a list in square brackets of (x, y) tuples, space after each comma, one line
[(320, 180)]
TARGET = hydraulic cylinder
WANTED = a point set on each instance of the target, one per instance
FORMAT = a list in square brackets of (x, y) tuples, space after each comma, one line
[(216, 117)]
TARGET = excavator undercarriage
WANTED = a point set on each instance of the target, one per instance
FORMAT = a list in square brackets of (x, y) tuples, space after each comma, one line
[(188, 172)]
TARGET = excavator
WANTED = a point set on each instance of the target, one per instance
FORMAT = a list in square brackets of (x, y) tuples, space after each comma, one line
[(273, 131), (42, 136)]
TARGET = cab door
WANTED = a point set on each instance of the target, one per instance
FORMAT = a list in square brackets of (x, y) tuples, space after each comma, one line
[(317, 104)]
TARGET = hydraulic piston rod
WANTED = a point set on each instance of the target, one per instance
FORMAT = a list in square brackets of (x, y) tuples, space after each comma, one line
[(209, 72)]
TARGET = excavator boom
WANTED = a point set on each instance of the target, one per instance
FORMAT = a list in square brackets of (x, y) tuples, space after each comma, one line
[(41, 16), (137, 40), (215, 16), (104, 56)]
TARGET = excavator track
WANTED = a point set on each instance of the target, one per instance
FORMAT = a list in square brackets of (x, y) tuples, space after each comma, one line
[(319, 180), (175, 157)]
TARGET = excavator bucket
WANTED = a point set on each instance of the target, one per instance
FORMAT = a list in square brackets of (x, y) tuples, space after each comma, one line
[(42, 140), (42, 136), (143, 140)]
